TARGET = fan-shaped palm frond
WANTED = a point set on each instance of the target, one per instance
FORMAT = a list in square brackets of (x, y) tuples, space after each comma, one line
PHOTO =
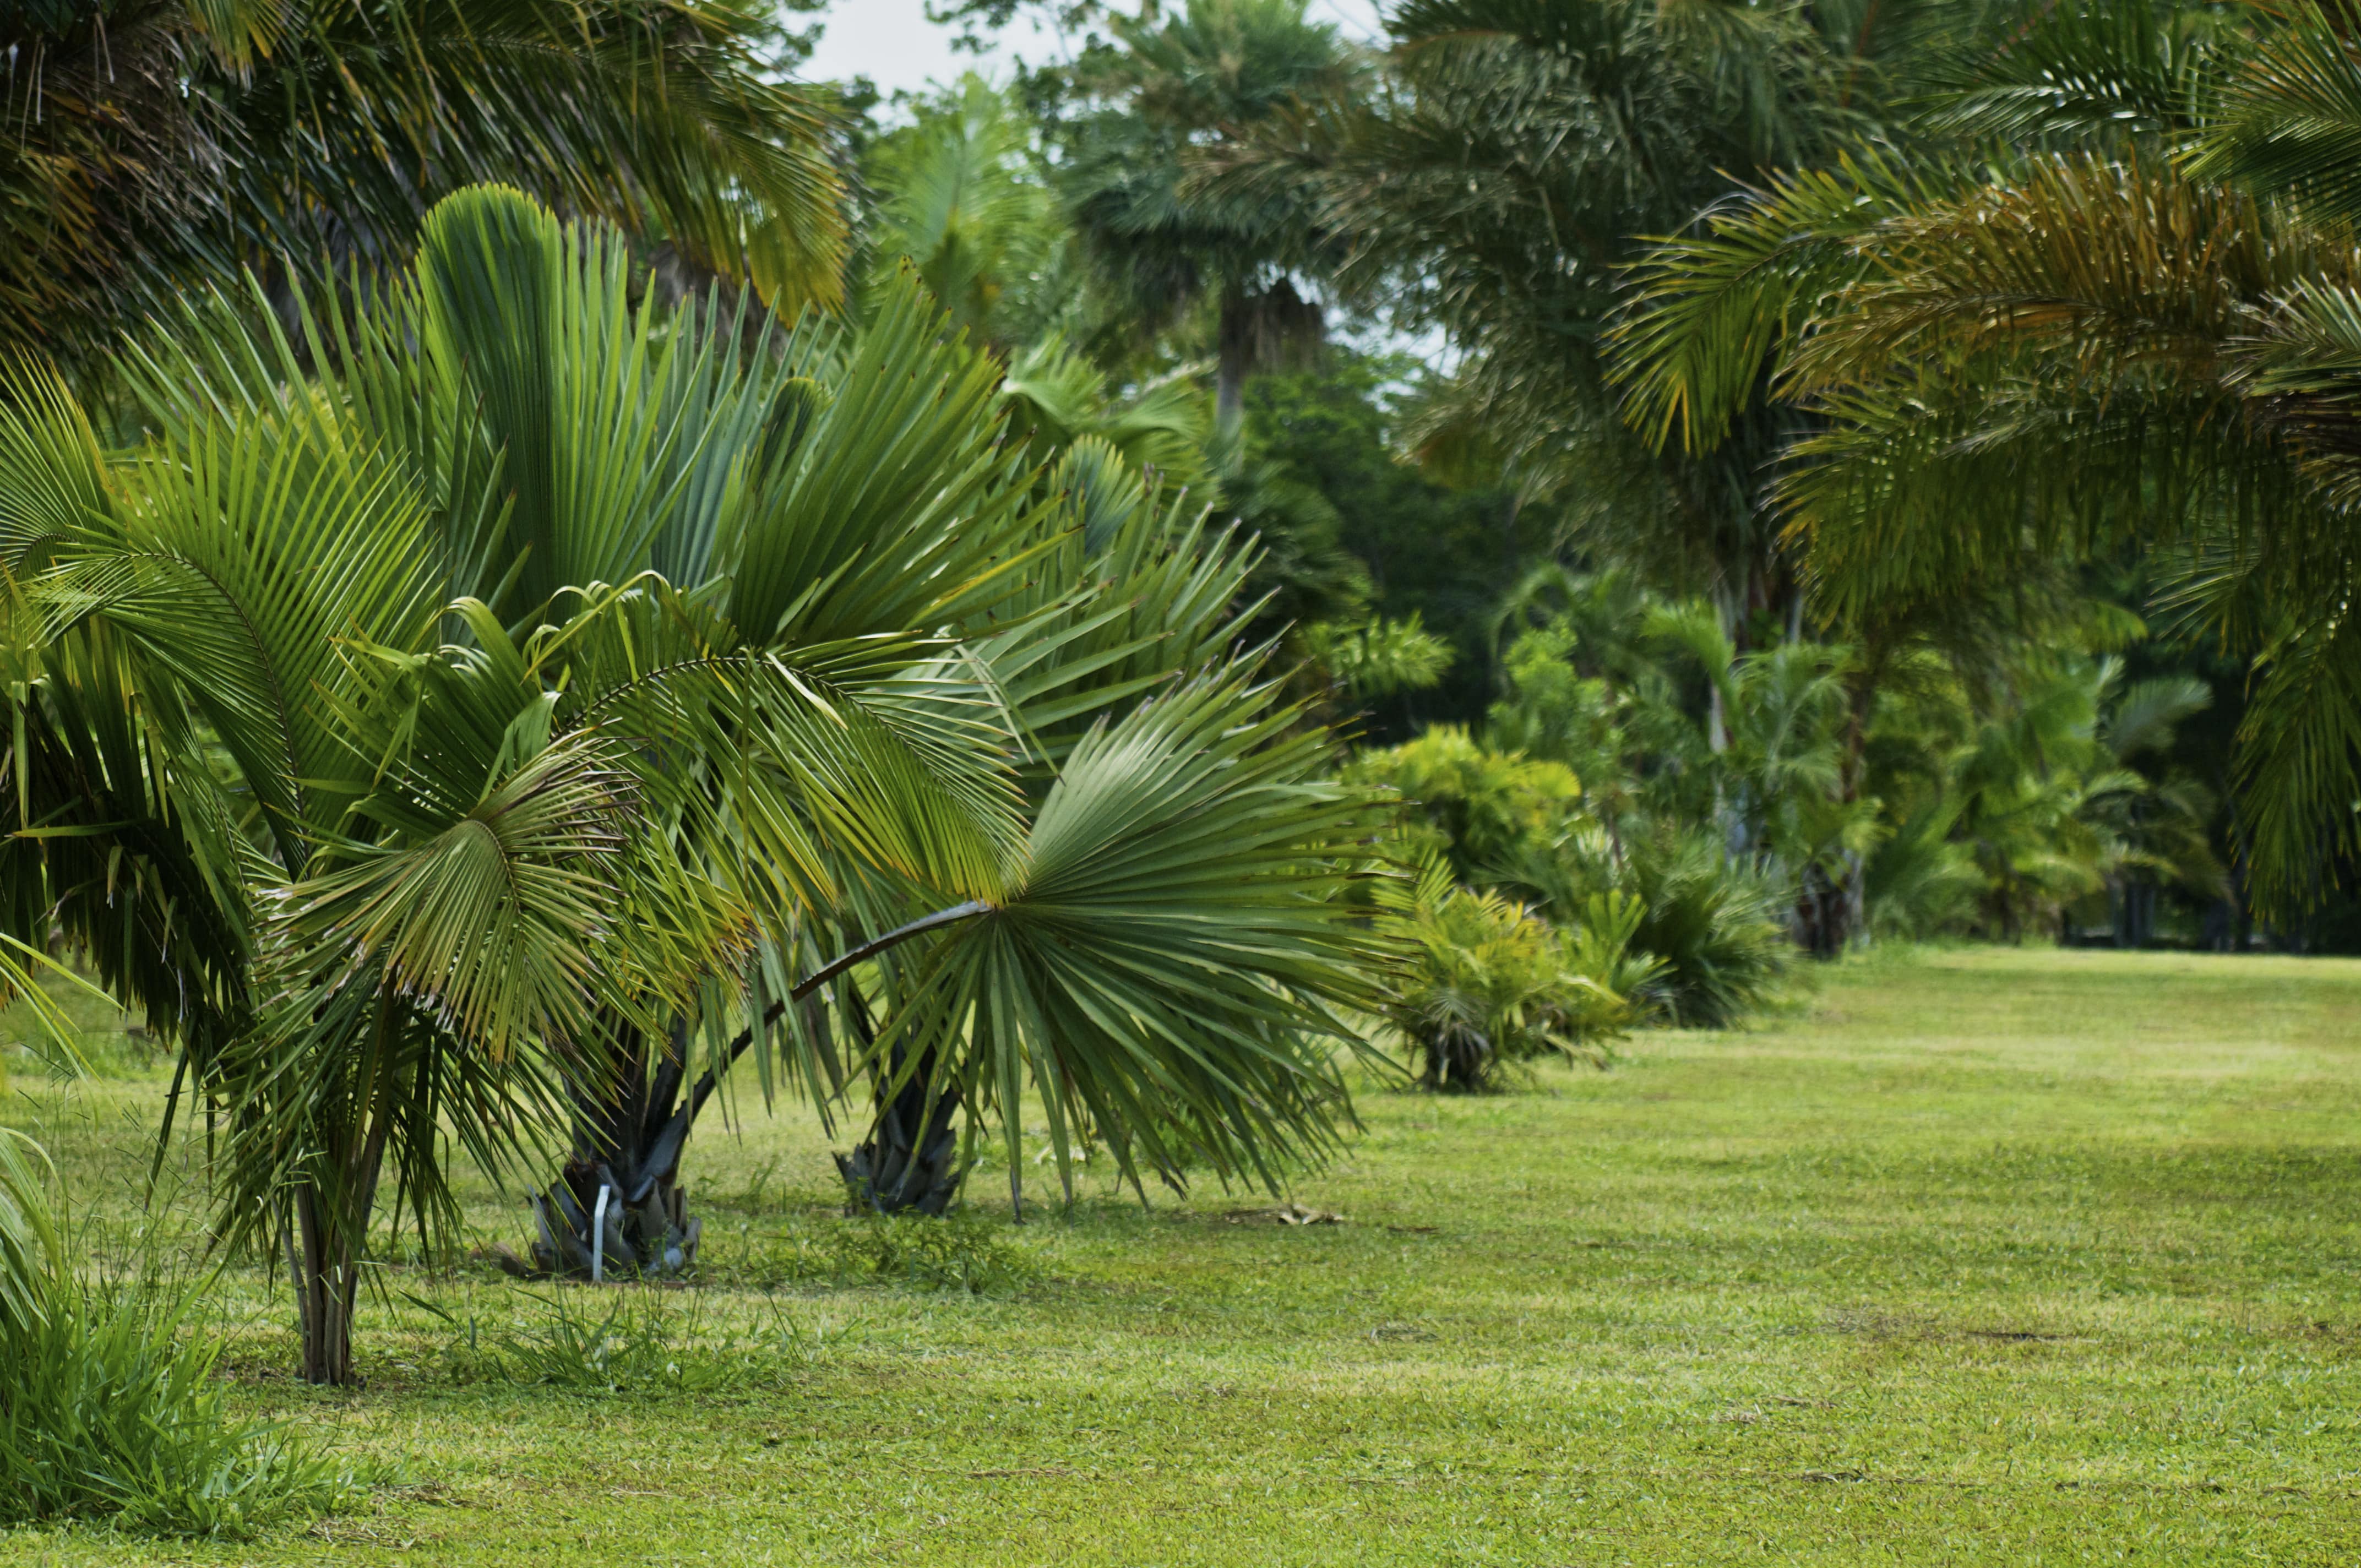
[(968, 205), (1173, 965)]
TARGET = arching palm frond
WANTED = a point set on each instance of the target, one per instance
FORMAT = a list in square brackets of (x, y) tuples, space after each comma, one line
[(658, 119), (968, 208), (2288, 120), (2112, 72), (1712, 316), (238, 572), (1173, 969)]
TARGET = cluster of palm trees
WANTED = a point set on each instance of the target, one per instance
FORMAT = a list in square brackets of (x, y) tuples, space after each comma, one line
[(512, 720), (471, 698)]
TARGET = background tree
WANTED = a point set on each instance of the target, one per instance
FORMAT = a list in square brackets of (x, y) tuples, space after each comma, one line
[(1156, 248), (961, 191), (1496, 183), (2151, 293), (156, 143)]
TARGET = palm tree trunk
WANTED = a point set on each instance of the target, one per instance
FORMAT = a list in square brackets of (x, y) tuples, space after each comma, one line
[(329, 1226), (619, 1206), (1235, 351), (631, 1131), (909, 1164), (1820, 910), (1844, 907), (326, 1268)]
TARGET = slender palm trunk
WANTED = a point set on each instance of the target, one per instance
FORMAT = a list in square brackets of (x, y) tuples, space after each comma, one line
[(1820, 913), (328, 1225), (326, 1268), (1832, 908)]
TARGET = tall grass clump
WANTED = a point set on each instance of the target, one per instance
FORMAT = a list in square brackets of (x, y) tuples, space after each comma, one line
[(109, 1409)]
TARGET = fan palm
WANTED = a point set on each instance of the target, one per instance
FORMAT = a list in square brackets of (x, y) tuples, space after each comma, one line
[(963, 199), (552, 686), (153, 142)]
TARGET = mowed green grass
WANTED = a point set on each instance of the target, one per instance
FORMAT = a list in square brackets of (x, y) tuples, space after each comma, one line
[(1989, 1256)]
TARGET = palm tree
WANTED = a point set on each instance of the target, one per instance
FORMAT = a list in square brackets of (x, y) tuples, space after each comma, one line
[(533, 694), (152, 143), (1497, 184), (1155, 244), (2145, 340), (962, 196)]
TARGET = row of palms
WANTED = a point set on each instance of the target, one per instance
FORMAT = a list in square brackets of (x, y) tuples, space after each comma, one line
[(1957, 296), (493, 734)]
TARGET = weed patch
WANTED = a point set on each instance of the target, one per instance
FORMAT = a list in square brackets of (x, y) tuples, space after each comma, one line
[(623, 1339), (962, 1252), (109, 1408)]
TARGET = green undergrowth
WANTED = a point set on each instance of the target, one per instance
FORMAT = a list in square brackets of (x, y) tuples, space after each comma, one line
[(111, 1411), (1985, 1257), (634, 1339), (964, 1250)]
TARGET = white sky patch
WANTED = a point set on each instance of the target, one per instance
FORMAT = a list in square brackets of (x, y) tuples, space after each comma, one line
[(893, 44)]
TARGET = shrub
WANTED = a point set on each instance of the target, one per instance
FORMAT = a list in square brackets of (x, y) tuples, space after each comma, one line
[(1475, 805), (109, 1408), (1710, 923), (1714, 924), (1490, 984), (1919, 882)]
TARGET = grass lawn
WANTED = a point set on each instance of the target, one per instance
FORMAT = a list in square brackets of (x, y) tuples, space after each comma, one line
[(1988, 1256)]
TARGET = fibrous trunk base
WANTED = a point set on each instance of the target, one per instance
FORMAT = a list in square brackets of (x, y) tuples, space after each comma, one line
[(909, 1164), (639, 1230)]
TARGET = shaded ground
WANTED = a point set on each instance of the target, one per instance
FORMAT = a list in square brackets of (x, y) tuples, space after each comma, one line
[(1992, 1257)]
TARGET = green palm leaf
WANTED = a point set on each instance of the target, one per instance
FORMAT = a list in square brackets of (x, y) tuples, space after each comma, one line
[(1175, 965)]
